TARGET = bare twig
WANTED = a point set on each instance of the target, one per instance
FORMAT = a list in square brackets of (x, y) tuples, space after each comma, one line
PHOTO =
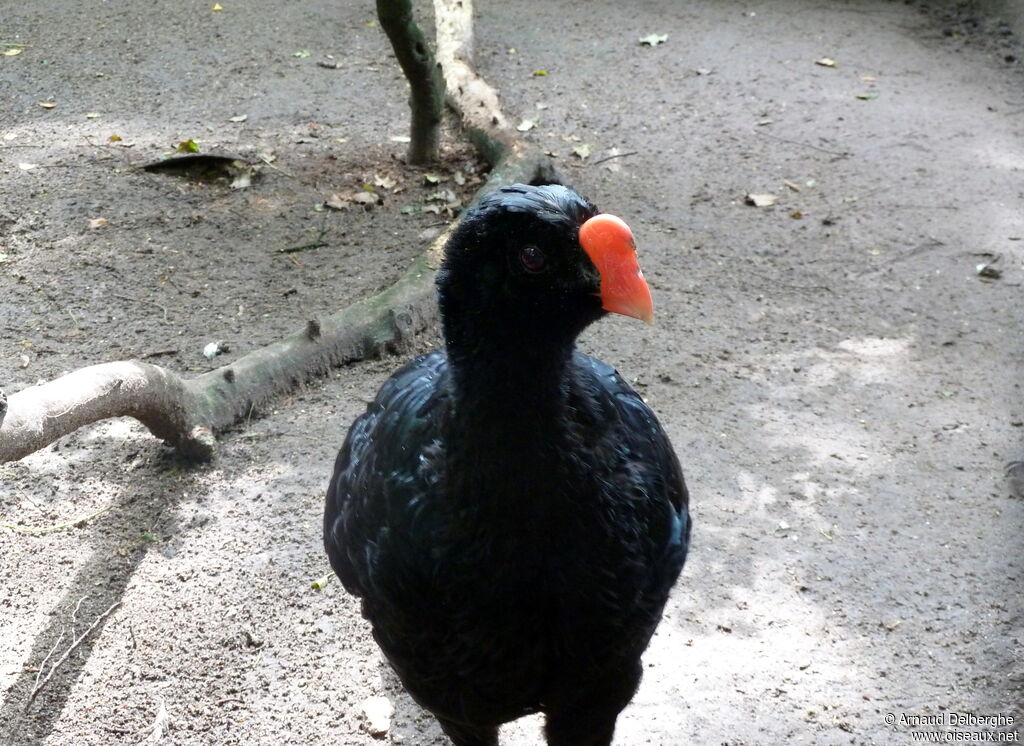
[(141, 300), (67, 653), (57, 527), (841, 153), (614, 155), (318, 243)]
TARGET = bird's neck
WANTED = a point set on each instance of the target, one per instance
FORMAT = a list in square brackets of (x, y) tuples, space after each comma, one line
[(511, 418), (511, 385)]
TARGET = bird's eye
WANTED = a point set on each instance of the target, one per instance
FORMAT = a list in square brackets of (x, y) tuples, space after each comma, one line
[(533, 259)]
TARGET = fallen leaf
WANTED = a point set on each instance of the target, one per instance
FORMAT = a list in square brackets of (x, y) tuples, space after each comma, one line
[(653, 40), (239, 118), (114, 138), (761, 200), (329, 64), (336, 202), (97, 222), (793, 187), (542, 105), (868, 96), (92, 115), (526, 125), (187, 146), (366, 198), (28, 166), (399, 138), (540, 73), (243, 180), (432, 178), (303, 53), (459, 178), (581, 151), (796, 214), (825, 62), (988, 272), (385, 182), (868, 78), (703, 71), (320, 583), (12, 52), (47, 104), (216, 7), (443, 195)]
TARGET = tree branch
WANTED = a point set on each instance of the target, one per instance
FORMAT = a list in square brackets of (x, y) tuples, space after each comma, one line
[(426, 84), (187, 412)]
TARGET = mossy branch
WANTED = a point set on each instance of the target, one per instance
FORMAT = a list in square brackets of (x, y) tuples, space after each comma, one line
[(186, 413), (426, 84)]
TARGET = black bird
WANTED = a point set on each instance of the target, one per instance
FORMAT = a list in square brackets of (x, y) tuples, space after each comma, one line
[(508, 509)]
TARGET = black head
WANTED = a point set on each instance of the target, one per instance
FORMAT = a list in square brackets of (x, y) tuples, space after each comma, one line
[(514, 268)]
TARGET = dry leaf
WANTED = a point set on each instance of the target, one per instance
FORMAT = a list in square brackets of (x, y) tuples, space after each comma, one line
[(114, 138), (97, 222), (825, 62), (581, 151), (239, 118), (761, 200), (792, 186), (336, 202), (47, 104), (526, 125), (653, 40), (12, 52), (384, 182), (92, 115), (243, 180), (366, 198)]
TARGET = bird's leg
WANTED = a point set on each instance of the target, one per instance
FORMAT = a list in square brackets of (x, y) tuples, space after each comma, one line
[(588, 719), (571, 729), (468, 735)]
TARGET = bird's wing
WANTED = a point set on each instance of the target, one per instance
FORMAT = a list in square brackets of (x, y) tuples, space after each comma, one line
[(631, 438), (385, 466)]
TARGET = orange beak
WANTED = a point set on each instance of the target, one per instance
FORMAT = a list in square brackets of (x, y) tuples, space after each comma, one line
[(608, 242)]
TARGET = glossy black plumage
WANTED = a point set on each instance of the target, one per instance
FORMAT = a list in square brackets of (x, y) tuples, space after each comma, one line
[(508, 509)]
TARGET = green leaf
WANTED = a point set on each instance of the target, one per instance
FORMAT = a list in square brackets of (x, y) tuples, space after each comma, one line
[(868, 96), (540, 73), (187, 146)]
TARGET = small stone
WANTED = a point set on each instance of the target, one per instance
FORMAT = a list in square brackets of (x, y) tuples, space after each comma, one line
[(377, 712)]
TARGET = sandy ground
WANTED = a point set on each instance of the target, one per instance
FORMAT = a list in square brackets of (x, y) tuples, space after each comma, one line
[(842, 386)]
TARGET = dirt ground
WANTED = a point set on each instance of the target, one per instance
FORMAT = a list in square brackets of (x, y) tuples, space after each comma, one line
[(842, 385)]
